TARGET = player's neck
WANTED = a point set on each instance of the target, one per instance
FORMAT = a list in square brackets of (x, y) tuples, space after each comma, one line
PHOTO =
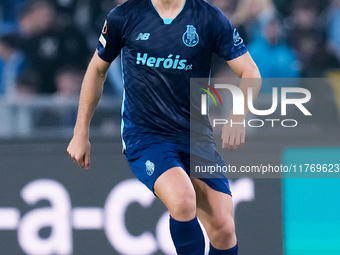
[(168, 8)]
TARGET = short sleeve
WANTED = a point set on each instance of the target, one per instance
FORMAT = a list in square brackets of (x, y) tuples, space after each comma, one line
[(111, 38), (228, 43)]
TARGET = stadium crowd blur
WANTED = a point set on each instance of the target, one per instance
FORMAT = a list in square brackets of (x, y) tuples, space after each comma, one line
[(45, 45)]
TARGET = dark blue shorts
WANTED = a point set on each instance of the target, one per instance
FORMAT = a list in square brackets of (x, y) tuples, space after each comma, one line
[(153, 159)]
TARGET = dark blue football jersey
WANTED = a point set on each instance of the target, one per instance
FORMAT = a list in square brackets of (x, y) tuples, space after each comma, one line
[(159, 56)]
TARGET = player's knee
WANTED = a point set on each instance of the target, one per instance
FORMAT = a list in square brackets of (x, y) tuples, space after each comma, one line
[(227, 230), (184, 207), (223, 229)]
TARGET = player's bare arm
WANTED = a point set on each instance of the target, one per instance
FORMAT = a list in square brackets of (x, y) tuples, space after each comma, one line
[(233, 137), (92, 87)]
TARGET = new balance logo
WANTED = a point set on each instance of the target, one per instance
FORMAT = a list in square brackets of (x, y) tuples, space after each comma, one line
[(143, 36)]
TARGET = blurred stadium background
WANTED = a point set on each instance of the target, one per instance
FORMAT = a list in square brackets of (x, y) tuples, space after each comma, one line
[(50, 206)]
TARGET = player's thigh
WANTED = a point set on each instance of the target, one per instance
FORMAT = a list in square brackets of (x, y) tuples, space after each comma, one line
[(176, 191), (214, 208), (214, 203)]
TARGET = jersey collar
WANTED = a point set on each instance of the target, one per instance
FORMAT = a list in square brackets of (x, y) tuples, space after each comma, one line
[(168, 21)]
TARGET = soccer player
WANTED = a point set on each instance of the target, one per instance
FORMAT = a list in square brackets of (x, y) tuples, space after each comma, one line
[(164, 43)]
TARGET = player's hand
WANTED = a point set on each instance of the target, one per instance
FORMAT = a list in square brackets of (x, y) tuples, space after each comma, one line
[(233, 137), (79, 150)]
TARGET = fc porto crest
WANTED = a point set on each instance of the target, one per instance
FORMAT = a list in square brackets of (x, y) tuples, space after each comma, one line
[(190, 37), (150, 167), (237, 38)]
